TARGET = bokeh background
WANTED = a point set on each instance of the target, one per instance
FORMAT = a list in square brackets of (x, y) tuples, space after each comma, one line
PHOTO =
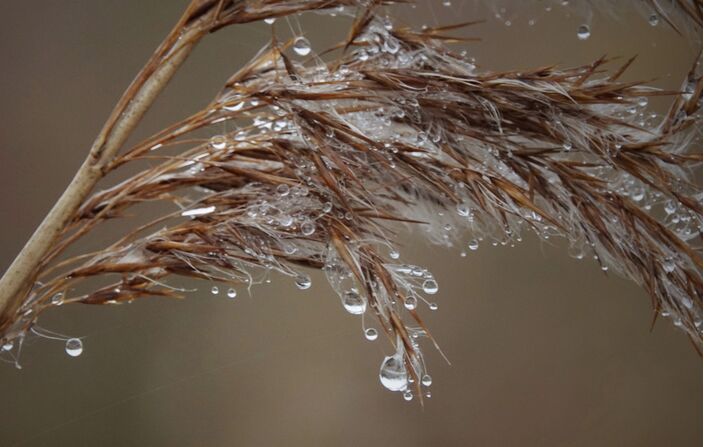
[(545, 350)]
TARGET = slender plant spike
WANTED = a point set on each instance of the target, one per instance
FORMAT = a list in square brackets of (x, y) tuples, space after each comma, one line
[(334, 153)]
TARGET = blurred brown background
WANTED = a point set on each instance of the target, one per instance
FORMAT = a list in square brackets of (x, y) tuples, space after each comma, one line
[(545, 350)]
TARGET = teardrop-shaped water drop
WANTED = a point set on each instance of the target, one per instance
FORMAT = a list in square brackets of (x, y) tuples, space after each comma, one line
[(74, 347), (430, 286), (408, 395), (426, 380), (301, 46), (353, 302), (410, 303), (583, 32), (392, 373)]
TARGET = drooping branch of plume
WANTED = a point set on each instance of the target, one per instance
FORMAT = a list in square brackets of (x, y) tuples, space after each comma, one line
[(330, 159)]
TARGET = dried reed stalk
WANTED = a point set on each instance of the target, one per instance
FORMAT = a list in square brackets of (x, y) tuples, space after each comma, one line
[(331, 157)]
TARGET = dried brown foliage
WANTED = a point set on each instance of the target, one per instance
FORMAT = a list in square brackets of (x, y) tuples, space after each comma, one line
[(330, 159)]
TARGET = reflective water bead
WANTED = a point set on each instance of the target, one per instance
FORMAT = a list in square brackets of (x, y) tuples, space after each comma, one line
[(218, 142), (393, 254), (353, 302), (307, 228), (303, 282), (583, 32), (301, 46), (473, 244), (407, 395), (57, 299), (426, 380), (430, 286), (8, 346), (433, 306), (653, 19), (231, 293), (270, 20), (392, 373), (669, 264), (371, 334), (215, 290), (410, 303), (282, 190), (74, 347), (463, 210)]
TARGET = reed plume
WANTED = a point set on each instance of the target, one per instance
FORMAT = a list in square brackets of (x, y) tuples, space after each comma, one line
[(333, 153)]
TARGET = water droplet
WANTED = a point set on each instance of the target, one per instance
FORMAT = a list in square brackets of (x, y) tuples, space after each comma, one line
[(8, 346), (231, 293), (407, 395), (392, 373), (567, 145), (57, 299), (446, 3), (388, 25), (669, 264), (270, 20), (353, 302), (642, 101), (430, 286), (308, 228), (391, 45), (583, 32), (393, 254), (218, 142), (653, 20), (282, 190), (410, 303), (215, 290), (371, 334), (463, 210), (473, 244), (301, 46), (74, 347), (433, 306), (670, 207), (426, 380), (303, 282)]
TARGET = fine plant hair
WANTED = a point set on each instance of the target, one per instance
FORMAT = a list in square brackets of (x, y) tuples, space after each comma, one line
[(335, 153)]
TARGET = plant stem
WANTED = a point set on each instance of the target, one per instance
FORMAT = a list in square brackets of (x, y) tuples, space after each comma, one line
[(134, 103)]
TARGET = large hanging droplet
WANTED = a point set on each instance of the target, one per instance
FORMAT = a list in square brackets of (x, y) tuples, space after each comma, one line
[(583, 32), (353, 302), (74, 347), (301, 46), (430, 286), (392, 373)]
